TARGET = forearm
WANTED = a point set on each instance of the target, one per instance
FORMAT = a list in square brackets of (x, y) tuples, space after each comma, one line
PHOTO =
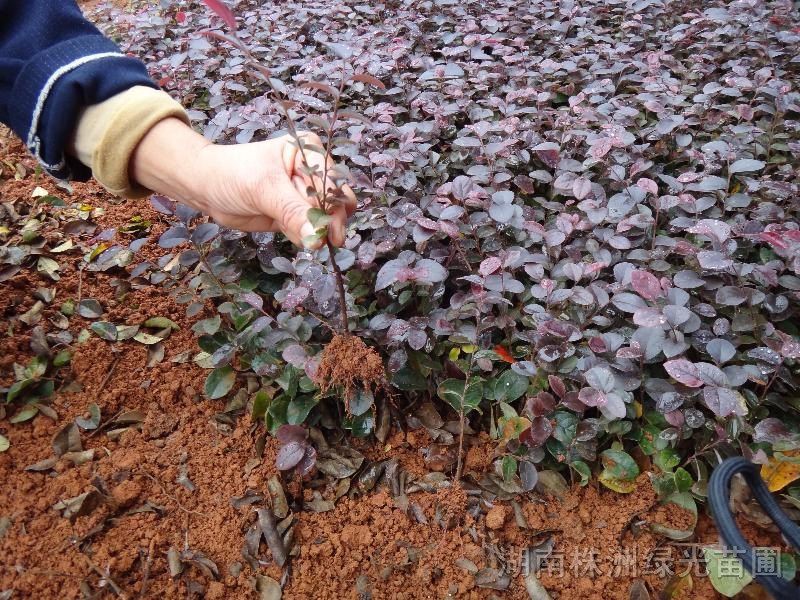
[(167, 161)]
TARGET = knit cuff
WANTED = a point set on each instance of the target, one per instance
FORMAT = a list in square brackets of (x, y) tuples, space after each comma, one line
[(108, 133)]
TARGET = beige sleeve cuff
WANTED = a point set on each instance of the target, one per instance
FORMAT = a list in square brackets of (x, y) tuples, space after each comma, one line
[(108, 133)]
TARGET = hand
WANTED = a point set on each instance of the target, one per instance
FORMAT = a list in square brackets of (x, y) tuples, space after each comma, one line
[(250, 187)]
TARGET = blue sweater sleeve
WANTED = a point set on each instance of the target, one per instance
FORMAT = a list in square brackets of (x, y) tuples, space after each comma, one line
[(53, 62)]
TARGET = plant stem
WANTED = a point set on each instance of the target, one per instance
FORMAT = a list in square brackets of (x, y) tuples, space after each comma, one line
[(339, 286)]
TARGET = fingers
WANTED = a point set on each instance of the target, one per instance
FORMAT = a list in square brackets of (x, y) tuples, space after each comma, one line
[(293, 217), (296, 164)]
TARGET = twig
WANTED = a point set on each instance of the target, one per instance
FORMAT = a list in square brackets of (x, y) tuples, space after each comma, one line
[(146, 568), (109, 373), (171, 497), (80, 283), (107, 577), (106, 425)]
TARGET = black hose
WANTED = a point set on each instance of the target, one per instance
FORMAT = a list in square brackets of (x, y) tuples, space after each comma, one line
[(718, 500)]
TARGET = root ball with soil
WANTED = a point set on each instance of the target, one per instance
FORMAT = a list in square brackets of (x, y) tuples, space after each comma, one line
[(348, 363)]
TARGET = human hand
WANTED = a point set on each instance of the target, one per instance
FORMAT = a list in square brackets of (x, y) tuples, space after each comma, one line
[(263, 186), (259, 186)]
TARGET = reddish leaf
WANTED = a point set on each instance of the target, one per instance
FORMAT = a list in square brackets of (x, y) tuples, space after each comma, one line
[(366, 78), (592, 397), (222, 11), (489, 265), (537, 433), (557, 385), (290, 433), (504, 354), (683, 371), (290, 455), (646, 284)]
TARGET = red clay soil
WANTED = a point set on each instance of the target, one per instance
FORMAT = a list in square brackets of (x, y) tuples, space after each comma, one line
[(366, 547)]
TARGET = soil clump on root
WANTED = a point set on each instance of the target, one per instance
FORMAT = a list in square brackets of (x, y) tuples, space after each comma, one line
[(347, 362)]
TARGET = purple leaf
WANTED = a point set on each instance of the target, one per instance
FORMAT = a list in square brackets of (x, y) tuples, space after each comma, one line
[(723, 401), (289, 455), (489, 265), (295, 298), (646, 285), (537, 434), (291, 433), (592, 397), (683, 371), (162, 204), (429, 271)]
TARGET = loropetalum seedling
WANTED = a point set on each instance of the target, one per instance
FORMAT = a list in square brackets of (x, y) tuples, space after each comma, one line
[(347, 362)]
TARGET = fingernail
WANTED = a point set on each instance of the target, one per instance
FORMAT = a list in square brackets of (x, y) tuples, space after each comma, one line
[(306, 233)]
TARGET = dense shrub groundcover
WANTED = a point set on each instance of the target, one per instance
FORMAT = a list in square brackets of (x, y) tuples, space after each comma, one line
[(578, 223)]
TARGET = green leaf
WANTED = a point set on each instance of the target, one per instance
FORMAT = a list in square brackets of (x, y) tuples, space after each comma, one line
[(62, 358), (683, 480), (90, 309), (619, 471), (161, 323), (620, 465), (726, 573), (289, 380), (458, 395), (276, 413), (510, 386), (17, 388), (208, 326), (298, 409), (583, 470), (667, 459), (260, 404), (219, 382), (509, 465), (408, 380), (623, 486), (36, 367), (360, 426), (318, 218), (4, 443), (25, 414), (105, 330), (361, 402)]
